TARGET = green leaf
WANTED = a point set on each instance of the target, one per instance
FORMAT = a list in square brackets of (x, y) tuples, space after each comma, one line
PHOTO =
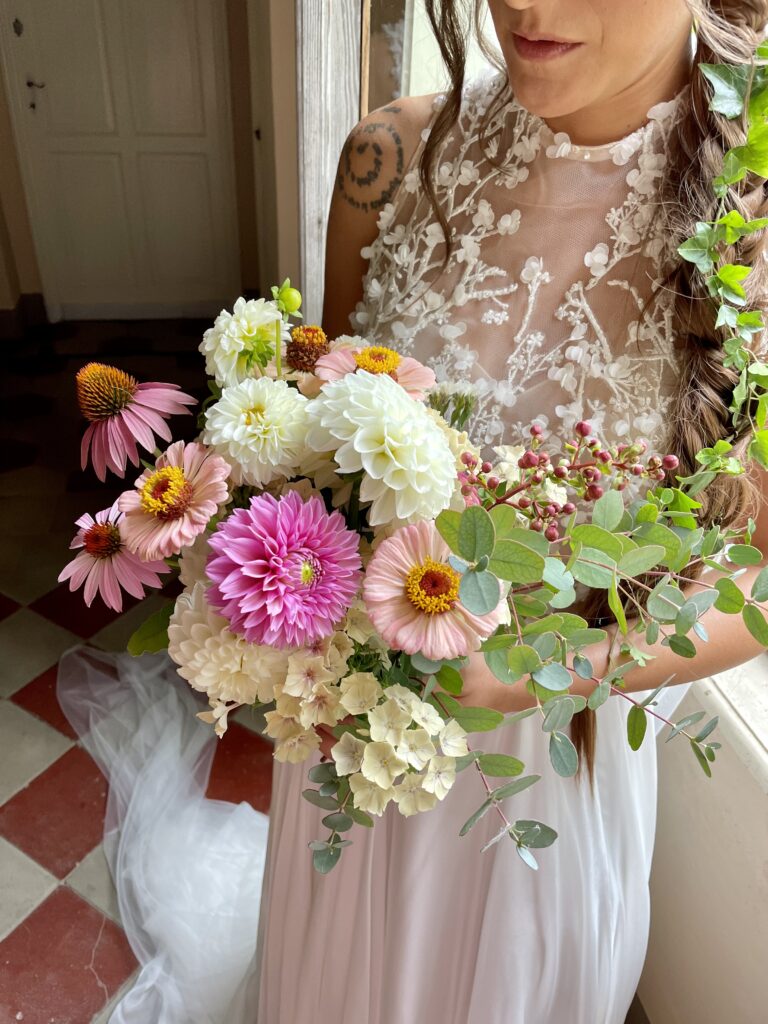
[(655, 533), (583, 667), (558, 712), (553, 676), (664, 602), (599, 695), (637, 722), (594, 569), (545, 645), (323, 772), (535, 833), (641, 560), (479, 591), (477, 719), (758, 447), (447, 524), (450, 679), (338, 821), (500, 765), (614, 603), (755, 622), (594, 536), (473, 819), (760, 586), (729, 84), (563, 755), (467, 759), (476, 533), (699, 249), (730, 599), (325, 860), (708, 728), (556, 575), (686, 617), (523, 660), (743, 554), (691, 719), (152, 635), (516, 563), (513, 788), (682, 645), (701, 758), (328, 803), (359, 817), (527, 857), (424, 666)]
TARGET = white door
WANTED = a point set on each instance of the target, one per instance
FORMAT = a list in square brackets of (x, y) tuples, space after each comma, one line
[(122, 123)]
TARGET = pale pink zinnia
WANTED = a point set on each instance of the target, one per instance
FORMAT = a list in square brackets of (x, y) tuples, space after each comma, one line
[(411, 595), (105, 564), (173, 503), (284, 572), (412, 375), (122, 413)]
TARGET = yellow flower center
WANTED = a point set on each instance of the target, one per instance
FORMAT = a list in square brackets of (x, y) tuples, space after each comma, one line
[(254, 415), (377, 359), (103, 391), (167, 493), (432, 587), (307, 572)]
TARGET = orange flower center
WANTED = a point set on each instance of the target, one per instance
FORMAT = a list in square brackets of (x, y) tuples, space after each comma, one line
[(432, 587), (167, 494), (103, 391), (378, 359), (102, 540), (306, 346)]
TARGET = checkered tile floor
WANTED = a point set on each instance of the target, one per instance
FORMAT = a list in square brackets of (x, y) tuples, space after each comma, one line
[(64, 958)]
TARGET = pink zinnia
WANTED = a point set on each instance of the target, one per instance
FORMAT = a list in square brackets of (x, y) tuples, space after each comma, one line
[(284, 571), (105, 564), (123, 413), (173, 502), (412, 375), (411, 595)]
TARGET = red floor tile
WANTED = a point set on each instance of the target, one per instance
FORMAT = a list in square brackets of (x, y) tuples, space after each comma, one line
[(59, 817), (70, 610), (7, 606), (39, 698), (63, 963), (242, 769)]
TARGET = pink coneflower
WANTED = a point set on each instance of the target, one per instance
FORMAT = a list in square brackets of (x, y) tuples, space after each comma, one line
[(284, 571), (123, 413), (105, 564), (411, 595), (412, 375), (173, 502)]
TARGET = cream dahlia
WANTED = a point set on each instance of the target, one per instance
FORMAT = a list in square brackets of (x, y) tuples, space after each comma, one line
[(241, 343), (260, 427), (173, 503), (412, 597), (376, 427)]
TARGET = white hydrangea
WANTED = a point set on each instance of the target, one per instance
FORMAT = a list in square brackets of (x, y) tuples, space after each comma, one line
[(411, 797), (368, 796), (217, 662), (506, 467), (381, 765), (453, 740), (374, 426), (348, 754), (296, 744), (236, 339), (440, 776), (259, 426), (416, 748)]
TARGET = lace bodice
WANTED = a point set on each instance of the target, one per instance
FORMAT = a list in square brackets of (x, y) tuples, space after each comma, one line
[(550, 307)]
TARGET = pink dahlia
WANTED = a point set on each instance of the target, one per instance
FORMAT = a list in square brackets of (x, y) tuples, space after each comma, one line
[(411, 595), (105, 564), (284, 571), (173, 502), (122, 413), (412, 375)]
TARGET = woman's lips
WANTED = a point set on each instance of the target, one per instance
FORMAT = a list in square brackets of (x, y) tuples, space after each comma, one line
[(541, 49)]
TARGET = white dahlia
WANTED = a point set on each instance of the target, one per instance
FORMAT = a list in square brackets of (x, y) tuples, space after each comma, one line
[(241, 343), (217, 662), (259, 426), (192, 561), (410, 472)]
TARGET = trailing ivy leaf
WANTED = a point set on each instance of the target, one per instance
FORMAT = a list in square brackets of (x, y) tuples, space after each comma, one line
[(758, 448), (691, 719), (563, 755), (755, 622), (447, 524), (730, 599), (513, 788), (152, 635), (729, 84), (500, 765), (535, 833), (699, 248), (476, 534), (637, 722), (700, 757), (473, 819), (325, 860), (328, 803), (553, 676)]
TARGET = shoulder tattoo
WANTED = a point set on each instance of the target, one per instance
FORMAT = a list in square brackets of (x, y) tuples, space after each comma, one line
[(362, 179)]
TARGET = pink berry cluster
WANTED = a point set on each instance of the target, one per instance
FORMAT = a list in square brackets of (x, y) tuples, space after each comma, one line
[(588, 469)]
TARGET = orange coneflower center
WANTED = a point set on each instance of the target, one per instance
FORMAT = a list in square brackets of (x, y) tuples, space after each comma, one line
[(167, 493), (377, 359), (306, 346), (432, 587), (102, 540), (102, 391)]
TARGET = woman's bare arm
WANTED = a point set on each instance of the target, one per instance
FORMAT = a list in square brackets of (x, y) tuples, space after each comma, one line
[(371, 167)]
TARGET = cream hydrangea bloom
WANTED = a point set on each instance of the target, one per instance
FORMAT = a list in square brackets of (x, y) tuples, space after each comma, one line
[(440, 776), (259, 427), (381, 765), (453, 740), (321, 707), (369, 797), (360, 691), (279, 727), (348, 754), (297, 744), (416, 748), (388, 721), (305, 670), (426, 716), (411, 797), (217, 662), (506, 467), (236, 338)]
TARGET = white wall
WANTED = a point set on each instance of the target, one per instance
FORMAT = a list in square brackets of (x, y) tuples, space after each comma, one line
[(426, 72)]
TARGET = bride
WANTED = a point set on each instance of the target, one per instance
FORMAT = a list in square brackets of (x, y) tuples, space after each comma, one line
[(517, 233)]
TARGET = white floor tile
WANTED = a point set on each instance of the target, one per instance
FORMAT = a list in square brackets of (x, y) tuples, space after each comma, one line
[(27, 747), (92, 880), (30, 568), (29, 644), (116, 635), (23, 885)]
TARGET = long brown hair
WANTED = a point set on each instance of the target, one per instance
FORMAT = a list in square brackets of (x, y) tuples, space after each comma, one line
[(727, 32)]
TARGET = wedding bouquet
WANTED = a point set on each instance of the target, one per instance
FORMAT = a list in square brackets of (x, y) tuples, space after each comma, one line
[(344, 549)]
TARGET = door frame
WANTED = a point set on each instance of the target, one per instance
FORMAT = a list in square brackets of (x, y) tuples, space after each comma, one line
[(329, 45)]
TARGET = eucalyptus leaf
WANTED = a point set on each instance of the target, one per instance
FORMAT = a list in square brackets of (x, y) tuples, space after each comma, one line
[(473, 819), (527, 857), (477, 719), (641, 560), (359, 817), (513, 788), (682, 646), (582, 667), (328, 803), (599, 695), (544, 835), (637, 722), (691, 719), (425, 666), (708, 728), (479, 592), (563, 755), (558, 713), (608, 510), (327, 859), (476, 535), (594, 536), (594, 568), (447, 524), (323, 772), (755, 622), (449, 679), (760, 586), (730, 599), (553, 676), (701, 758), (743, 554), (338, 821), (516, 563), (500, 765), (523, 660)]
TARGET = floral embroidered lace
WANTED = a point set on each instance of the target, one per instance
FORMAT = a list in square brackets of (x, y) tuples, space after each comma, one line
[(550, 307)]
